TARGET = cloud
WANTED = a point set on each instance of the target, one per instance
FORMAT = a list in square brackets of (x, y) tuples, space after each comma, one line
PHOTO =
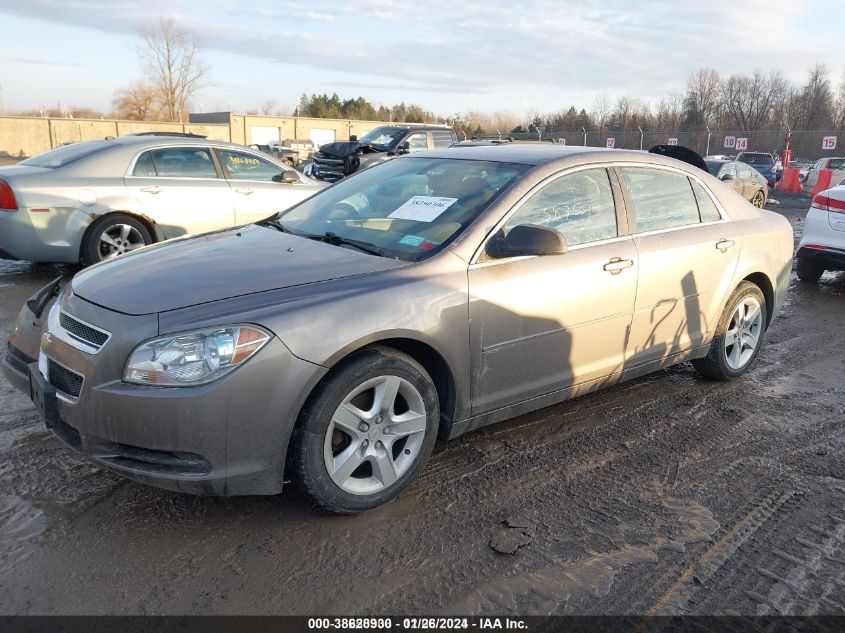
[(533, 49), (39, 62)]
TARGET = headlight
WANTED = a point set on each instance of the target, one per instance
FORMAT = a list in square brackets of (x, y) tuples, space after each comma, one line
[(193, 358)]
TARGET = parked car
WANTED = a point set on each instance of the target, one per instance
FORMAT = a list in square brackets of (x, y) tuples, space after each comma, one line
[(835, 164), (98, 199), (429, 296), (822, 245), (767, 164), (742, 178), (803, 166), (281, 153), (337, 160)]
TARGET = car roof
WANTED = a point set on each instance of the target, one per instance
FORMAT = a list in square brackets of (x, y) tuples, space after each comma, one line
[(159, 139), (531, 154)]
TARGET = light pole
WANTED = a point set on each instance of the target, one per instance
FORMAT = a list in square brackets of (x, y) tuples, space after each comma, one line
[(641, 137)]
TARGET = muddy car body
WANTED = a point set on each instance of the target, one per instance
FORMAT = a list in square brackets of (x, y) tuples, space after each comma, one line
[(552, 272)]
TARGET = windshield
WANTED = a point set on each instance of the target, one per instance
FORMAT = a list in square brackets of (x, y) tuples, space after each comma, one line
[(382, 137), (755, 158), (66, 154), (409, 208), (713, 166)]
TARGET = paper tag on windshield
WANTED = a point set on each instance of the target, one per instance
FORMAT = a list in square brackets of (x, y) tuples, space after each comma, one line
[(422, 208)]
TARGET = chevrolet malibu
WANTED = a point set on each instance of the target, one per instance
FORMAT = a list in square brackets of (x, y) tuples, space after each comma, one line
[(95, 200), (435, 294)]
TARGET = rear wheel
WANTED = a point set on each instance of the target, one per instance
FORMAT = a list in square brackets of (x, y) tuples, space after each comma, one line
[(759, 199), (809, 271), (114, 235), (365, 434), (739, 335)]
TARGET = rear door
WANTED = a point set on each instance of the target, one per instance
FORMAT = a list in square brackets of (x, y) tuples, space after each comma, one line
[(257, 185), (734, 183), (181, 189), (688, 251), (747, 181)]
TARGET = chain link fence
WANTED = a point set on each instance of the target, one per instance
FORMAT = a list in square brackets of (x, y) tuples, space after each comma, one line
[(805, 144)]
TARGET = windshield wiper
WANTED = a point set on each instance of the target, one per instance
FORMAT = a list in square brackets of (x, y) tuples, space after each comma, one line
[(274, 223), (336, 240)]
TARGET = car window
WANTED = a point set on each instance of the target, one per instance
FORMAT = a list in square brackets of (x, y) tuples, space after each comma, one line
[(837, 163), (744, 171), (66, 154), (183, 162), (243, 166), (661, 199), (707, 210), (442, 138), (410, 208), (417, 142), (144, 166), (728, 168), (579, 206)]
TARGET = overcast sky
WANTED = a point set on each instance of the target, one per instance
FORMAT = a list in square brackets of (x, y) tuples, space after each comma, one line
[(446, 55)]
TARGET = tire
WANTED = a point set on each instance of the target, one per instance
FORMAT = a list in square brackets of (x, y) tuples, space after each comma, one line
[(372, 462), (113, 235), (808, 271), (759, 199), (730, 357)]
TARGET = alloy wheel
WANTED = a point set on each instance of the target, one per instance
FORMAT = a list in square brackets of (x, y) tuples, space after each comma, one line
[(758, 200), (118, 239), (743, 334), (375, 435)]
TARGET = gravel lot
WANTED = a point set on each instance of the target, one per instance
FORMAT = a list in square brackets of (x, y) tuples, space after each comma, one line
[(668, 494)]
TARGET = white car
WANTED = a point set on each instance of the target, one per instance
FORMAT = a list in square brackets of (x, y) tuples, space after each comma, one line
[(822, 245), (835, 164)]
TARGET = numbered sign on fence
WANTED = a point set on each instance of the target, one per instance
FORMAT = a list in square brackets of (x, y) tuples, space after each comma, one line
[(673, 141), (741, 144), (611, 142), (561, 141), (730, 142), (829, 142)]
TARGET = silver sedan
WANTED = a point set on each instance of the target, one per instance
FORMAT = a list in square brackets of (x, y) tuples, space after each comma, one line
[(91, 201), (423, 298)]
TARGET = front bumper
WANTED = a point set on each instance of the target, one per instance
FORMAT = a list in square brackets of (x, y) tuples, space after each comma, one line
[(228, 437)]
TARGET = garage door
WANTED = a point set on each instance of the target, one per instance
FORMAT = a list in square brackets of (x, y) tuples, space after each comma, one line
[(320, 136), (263, 135)]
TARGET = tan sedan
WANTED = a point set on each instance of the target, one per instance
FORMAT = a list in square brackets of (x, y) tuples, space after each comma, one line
[(429, 296)]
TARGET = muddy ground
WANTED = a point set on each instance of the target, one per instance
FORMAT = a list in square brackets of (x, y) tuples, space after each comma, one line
[(669, 494)]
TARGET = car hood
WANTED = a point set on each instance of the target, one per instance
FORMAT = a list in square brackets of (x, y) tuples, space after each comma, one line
[(220, 265)]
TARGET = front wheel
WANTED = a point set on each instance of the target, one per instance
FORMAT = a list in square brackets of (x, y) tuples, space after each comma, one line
[(366, 432), (759, 199), (114, 235), (739, 335)]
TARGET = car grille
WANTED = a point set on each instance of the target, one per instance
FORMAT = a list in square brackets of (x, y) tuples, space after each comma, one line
[(83, 332), (65, 380)]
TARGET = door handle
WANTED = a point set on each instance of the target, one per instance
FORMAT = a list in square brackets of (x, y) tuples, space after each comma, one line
[(151, 189), (617, 265), (245, 190), (723, 245)]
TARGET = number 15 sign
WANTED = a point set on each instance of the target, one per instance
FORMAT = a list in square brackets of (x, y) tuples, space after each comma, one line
[(829, 142)]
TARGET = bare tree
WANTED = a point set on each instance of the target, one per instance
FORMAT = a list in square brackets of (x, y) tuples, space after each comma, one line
[(812, 107), (601, 110), (670, 113), (171, 54), (839, 111), (750, 100), (271, 108), (702, 97), (138, 102)]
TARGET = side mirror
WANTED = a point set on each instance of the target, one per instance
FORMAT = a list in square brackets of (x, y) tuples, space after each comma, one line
[(287, 177), (353, 138), (726, 177), (404, 148), (527, 239)]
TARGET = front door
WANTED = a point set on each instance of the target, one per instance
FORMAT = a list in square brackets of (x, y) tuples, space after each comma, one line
[(542, 324), (687, 255), (257, 186), (179, 189)]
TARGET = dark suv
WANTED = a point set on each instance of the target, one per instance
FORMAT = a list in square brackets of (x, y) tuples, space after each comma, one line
[(335, 160)]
